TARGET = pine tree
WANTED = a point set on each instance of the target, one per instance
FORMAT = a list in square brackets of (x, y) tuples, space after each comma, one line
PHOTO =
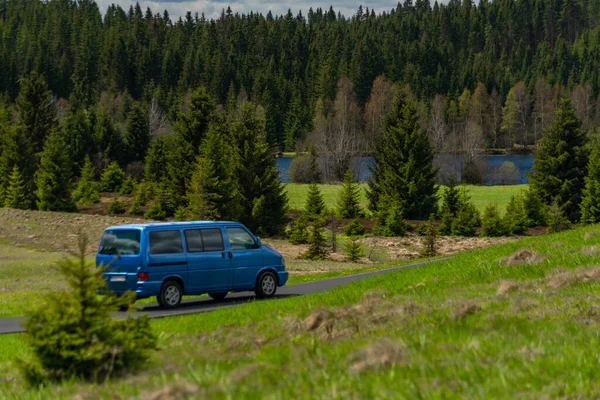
[(590, 202), (264, 201), (348, 206), (515, 218), (112, 178), (54, 179), (16, 152), (315, 204), (87, 191), (430, 239), (193, 124), (353, 250), (203, 197), (316, 244), (137, 133), (451, 198), (403, 161), (15, 196), (534, 208), (79, 138), (110, 140), (492, 223), (560, 165)]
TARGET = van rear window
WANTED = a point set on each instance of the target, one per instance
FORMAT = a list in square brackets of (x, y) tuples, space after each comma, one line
[(126, 242)]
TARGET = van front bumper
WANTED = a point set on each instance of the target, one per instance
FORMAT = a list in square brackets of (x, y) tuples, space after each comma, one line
[(282, 277)]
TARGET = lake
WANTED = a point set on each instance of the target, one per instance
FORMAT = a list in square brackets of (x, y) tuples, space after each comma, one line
[(523, 162)]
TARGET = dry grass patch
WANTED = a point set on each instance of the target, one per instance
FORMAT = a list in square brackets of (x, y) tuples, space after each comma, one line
[(523, 256), (507, 286), (173, 391), (464, 310), (561, 278), (590, 250), (382, 353)]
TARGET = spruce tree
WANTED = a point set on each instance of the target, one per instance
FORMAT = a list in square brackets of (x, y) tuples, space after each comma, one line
[(561, 161), (193, 124), (87, 191), (403, 159), (451, 198), (54, 179), (17, 151), (317, 243), (203, 197), (348, 206), (15, 195), (112, 178), (79, 138), (315, 204), (109, 138), (590, 202), (137, 133), (264, 201)]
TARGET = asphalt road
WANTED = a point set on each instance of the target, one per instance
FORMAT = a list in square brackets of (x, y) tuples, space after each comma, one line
[(13, 325)]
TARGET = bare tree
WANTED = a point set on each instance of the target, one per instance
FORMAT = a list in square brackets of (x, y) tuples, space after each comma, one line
[(437, 129), (495, 118), (377, 108), (156, 120), (583, 101), (516, 112), (479, 111), (337, 137)]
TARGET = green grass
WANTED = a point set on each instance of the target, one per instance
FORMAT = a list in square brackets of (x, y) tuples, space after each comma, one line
[(437, 331), (481, 196)]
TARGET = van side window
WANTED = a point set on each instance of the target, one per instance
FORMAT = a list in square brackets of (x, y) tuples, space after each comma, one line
[(193, 240), (165, 242), (212, 239), (239, 239)]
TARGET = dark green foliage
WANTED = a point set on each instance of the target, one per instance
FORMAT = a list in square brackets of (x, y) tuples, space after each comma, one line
[(390, 220), (112, 178), (557, 220), (403, 170), (193, 124), (298, 232), (110, 140), (304, 169), (157, 158), (515, 218), (54, 179), (451, 198), (430, 238), (561, 162), (317, 244), (590, 202), (87, 191), (203, 195), (141, 195), (445, 227), (353, 250), (535, 209), (264, 201), (315, 204), (36, 109), (348, 205), (467, 218), (354, 228), (155, 212), (16, 151), (72, 334), (137, 133), (116, 207), (492, 224), (79, 138), (15, 195)]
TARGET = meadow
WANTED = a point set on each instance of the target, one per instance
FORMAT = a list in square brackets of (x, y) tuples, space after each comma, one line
[(482, 196), (513, 320)]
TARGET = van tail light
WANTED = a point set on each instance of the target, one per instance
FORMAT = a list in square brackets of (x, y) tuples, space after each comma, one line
[(142, 276)]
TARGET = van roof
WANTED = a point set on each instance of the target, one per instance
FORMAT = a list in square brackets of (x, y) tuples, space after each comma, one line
[(171, 224)]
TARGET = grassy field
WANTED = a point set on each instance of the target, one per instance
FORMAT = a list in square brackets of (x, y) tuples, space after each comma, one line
[(519, 320), (482, 196)]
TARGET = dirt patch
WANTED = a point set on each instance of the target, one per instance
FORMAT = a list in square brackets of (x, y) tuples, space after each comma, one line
[(382, 353), (523, 256), (590, 234), (507, 286), (561, 278), (244, 371), (590, 250), (173, 391), (466, 309)]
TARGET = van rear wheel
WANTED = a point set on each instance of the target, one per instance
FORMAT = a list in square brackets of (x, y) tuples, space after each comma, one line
[(170, 295), (266, 285), (218, 296)]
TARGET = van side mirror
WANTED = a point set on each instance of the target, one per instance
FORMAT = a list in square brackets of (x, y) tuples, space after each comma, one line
[(258, 243)]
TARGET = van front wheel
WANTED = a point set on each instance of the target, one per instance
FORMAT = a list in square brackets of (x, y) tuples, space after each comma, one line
[(170, 295), (266, 285)]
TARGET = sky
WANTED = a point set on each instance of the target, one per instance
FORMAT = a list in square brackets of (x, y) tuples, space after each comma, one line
[(212, 8)]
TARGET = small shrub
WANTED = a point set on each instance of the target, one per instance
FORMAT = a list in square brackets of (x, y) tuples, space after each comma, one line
[(181, 214), (112, 178), (348, 205), (515, 218), (445, 227), (535, 209), (298, 233), (87, 191), (304, 169), (507, 173), (353, 250), (128, 185), (466, 221), (116, 207), (317, 244), (73, 335), (394, 222), (15, 194), (492, 223), (155, 212), (315, 204), (354, 228), (557, 221), (451, 199), (430, 239)]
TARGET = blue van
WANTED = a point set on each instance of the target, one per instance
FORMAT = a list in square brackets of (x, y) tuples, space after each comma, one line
[(170, 260)]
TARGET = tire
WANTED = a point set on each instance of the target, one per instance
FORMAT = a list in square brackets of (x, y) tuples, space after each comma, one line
[(170, 295), (266, 285), (218, 296)]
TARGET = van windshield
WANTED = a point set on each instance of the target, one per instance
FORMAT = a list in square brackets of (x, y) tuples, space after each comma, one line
[(126, 242)]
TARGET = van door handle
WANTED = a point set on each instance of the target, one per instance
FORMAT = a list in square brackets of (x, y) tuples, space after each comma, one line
[(230, 255), (223, 255)]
